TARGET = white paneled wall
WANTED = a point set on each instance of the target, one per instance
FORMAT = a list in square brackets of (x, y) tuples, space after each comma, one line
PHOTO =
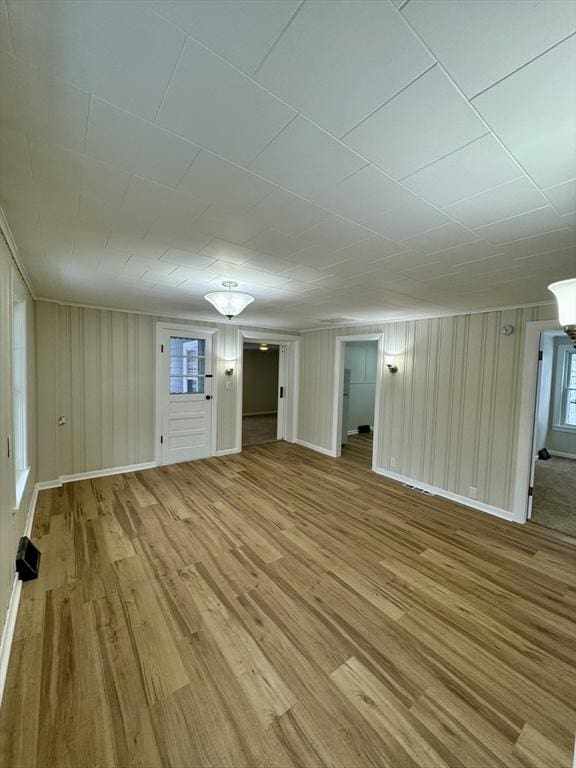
[(13, 521), (96, 368), (449, 417)]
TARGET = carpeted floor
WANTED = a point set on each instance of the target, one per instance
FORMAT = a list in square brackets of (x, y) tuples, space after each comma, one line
[(259, 429), (554, 504)]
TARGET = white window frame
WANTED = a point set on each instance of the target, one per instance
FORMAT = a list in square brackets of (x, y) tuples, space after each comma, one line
[(19, 347), (561, 373)]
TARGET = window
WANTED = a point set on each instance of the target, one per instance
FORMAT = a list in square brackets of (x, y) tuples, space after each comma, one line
[(187, 366), (19, 399), (565, 416)]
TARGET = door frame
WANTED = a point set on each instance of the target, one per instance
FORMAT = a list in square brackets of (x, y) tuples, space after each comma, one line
[(339, 359), (183, 328), (291, 363), (529, 380)]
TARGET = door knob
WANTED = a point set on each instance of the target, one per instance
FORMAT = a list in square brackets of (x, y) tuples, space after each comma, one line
[(208, 397)]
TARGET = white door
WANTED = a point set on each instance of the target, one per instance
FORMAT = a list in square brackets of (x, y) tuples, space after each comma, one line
[(185, 396)]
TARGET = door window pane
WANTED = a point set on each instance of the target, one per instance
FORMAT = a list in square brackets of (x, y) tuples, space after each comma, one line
[(187, 366), (187, 385)]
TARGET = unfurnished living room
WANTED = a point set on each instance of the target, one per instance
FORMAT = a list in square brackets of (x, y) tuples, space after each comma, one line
[(288, 383)]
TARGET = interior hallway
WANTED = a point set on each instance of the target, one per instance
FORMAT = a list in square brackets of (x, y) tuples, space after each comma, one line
[(282, 608), (259, 429)]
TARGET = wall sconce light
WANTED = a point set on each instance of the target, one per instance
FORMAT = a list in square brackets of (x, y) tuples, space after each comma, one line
[(390, 361), (565, 293), (229, 370)]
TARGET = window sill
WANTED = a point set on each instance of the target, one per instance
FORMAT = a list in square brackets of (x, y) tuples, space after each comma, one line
[(21, 482), (563, 428)]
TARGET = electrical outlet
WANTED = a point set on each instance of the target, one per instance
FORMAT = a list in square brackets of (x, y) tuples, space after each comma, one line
[(472, 492), (393, 461)]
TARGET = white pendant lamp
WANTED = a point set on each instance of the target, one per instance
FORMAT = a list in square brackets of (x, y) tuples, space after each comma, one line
[(565, 293), (229, 303)]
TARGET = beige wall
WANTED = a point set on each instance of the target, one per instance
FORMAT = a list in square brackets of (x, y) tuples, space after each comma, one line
[(96, 368), (13, 521), (260, 381), (449, 417)]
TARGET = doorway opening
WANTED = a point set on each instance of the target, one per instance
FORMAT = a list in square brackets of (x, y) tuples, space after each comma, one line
[(553, 470), (356, 396), (260, 393)]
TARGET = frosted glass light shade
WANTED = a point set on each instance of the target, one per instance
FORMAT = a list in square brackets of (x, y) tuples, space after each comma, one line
[(565, 293), (229, 303)]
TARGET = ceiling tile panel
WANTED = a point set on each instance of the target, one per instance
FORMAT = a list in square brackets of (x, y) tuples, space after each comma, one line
[(287, 213), (47, 109), (242, 31), (425, 122), (478, 166), (534, 113), (524, 225), (335, 233), (374, 249), (186, 259), (563, 196), (550, 241), (275, 243), (440, 238), (482, 42), (407, 220), (363, 50), (226, 186), (306, 160), (221, 250), (118, 50), (511, 199), (232, 227), (117, 137), (365, 192), (212, 103)]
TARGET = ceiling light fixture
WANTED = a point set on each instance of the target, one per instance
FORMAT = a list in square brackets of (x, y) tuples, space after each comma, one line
[(263, 347), (229, 303), (565, 293)]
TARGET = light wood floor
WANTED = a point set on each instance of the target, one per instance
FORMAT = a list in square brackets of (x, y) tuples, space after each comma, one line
[(280, 608)]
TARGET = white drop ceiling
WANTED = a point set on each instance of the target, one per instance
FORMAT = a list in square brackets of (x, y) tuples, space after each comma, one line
[(369, 160)]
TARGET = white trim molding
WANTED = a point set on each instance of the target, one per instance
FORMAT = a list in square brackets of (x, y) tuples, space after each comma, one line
[(291, 363), (435, 491), (562, 454), (14, 603), (528, 402), (339, 344), (12, 246), (227, 451), (63, 479), (317, 448)]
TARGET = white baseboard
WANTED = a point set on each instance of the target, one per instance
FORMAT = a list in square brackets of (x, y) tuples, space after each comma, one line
[(8, 632), (13, 605), (317, 448), (464, 500), (562, 455), (94, 473), (355, 431)]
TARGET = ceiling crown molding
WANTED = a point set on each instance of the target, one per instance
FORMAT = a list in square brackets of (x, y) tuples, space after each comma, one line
[(13, 248)]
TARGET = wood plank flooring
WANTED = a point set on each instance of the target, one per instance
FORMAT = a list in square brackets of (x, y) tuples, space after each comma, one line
[(280, 608)]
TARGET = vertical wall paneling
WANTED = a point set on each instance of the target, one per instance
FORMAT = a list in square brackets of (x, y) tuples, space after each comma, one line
[(449, 417), (99, 369)]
